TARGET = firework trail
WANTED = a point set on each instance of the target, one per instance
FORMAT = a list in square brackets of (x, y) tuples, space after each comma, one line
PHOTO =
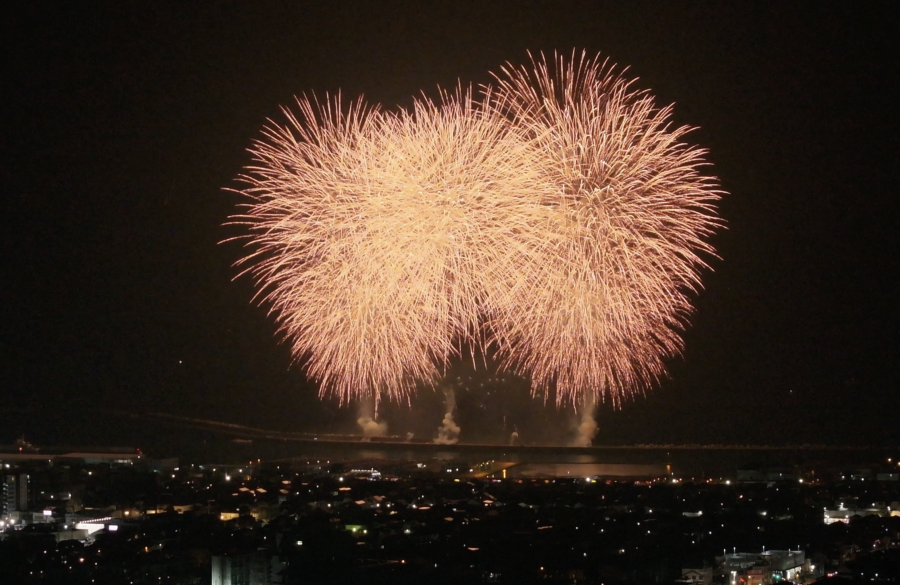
[(557, 220)]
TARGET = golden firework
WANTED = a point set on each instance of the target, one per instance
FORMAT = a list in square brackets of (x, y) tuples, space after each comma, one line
[(557, 217)]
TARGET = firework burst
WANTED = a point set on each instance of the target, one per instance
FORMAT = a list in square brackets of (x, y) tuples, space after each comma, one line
[(373, 231), (558, 218), (603, 293)]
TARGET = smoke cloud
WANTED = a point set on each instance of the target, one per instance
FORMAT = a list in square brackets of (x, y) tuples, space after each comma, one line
[(371, 428), (587, 428), (448, 432), (367, 423)]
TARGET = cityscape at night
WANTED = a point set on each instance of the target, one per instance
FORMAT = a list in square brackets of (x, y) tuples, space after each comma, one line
[(461, 292), (429, 513)]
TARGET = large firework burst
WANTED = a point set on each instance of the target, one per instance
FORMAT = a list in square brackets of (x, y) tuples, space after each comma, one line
[(373, 232), (558, 217), (603, 292)]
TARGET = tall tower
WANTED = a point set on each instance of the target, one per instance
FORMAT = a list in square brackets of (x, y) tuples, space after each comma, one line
[(15, 493)]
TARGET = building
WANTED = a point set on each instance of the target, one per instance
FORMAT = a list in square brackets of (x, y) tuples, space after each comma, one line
[(767, 567), (247, 569), (15, 493), (737, 566), (703, 576), (785, 564), (844, 513)]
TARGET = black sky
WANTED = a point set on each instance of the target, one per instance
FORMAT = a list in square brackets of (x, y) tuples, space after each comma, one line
[(123, 121)]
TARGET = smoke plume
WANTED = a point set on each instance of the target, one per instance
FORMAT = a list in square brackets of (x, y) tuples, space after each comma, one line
[(587, 428), (367, 423), (371, 428), (448, 432)]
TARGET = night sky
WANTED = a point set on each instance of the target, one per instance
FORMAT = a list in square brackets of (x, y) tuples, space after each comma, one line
[(124, 122)]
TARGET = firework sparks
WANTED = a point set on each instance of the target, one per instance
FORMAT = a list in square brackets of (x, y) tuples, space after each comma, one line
[(374, 231), (558, 218), (601, 295)]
